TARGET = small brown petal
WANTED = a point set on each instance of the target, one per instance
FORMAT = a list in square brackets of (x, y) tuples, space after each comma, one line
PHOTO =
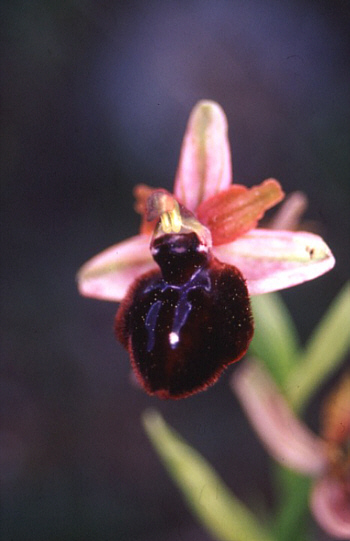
[(141, 193), (232, 212)]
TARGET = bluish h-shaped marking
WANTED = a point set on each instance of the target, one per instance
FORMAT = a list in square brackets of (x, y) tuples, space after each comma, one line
[(199, 280)]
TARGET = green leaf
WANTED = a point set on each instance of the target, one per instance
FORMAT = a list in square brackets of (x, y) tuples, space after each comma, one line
[(275, 339), (324, 352), (292, 505), (216, 508)]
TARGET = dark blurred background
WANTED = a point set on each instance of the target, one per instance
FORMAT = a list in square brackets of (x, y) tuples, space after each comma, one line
[(95, 99)]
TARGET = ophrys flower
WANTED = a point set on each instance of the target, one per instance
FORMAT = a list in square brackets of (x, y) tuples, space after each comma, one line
[(185, 280)]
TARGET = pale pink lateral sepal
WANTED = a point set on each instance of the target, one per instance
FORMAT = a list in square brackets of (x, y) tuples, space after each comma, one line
[(271, 260), (330, 503), (205, 160), (108, 275), (284, 436)]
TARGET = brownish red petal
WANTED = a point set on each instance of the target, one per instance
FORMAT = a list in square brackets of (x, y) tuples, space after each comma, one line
[(232, 212), (141, 193)]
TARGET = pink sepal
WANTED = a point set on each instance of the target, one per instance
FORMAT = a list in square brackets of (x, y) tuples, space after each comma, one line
[(271, 260), (108, 275), (205, 160)]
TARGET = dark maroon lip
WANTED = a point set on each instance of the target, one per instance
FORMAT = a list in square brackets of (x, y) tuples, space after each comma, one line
[(185, 323)]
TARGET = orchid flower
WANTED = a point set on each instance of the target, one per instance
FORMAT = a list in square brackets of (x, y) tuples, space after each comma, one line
[(293, 445), (205, 241), (269, 260)]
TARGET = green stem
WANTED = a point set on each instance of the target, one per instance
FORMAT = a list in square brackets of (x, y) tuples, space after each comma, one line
[(324, 351), (292, 509)]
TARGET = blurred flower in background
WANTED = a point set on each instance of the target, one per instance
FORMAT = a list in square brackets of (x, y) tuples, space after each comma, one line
[(290, 442)]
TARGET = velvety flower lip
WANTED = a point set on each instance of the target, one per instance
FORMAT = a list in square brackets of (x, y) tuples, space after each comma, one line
[(292, 444), (270, 260)]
